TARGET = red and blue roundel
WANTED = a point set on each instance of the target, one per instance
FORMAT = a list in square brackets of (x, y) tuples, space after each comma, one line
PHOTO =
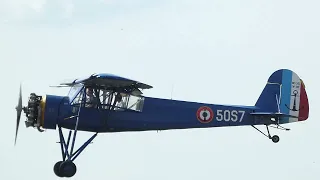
[(205, 114)]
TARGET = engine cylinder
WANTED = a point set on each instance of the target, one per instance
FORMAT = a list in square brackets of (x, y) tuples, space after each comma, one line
[(33, 111)]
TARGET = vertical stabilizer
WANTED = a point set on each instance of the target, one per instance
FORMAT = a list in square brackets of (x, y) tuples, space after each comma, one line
[(285, 93)]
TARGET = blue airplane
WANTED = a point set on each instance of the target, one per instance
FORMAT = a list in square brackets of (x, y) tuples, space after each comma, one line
[(106, 103)]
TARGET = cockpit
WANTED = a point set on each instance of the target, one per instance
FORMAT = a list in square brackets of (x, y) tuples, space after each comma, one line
[(108, 99)]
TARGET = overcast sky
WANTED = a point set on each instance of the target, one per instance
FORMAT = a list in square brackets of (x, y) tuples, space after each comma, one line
[(209, 51)]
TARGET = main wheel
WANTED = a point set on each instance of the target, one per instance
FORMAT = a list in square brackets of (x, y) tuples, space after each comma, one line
[(56, 169), (68, 169), (275, 138)]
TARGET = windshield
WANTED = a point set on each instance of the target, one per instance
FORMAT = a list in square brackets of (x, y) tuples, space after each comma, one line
[(74, 91)]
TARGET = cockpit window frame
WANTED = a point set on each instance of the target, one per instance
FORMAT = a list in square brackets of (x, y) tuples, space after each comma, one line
[(79, 88), (79, 91)]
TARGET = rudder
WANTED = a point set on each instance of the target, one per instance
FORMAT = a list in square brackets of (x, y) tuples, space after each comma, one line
[(285, 93)]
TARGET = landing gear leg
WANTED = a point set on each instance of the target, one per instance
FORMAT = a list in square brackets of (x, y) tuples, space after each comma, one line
[(274, 138), (66, 167)]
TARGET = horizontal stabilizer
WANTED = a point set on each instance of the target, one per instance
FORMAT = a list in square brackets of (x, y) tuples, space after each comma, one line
[(271, 114)]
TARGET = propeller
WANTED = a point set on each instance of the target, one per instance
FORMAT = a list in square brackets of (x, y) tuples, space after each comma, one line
[(19, 110)]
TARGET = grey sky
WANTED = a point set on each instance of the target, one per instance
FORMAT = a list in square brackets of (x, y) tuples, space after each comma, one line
[(212, 51)]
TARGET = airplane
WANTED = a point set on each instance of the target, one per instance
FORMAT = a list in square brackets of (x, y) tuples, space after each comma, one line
[(107, 103)]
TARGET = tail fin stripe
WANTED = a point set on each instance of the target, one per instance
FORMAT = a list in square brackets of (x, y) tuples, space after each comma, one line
[(295, 97), (304, 113), (285, 89)]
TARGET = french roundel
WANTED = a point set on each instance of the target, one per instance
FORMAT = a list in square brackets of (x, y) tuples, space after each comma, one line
[(205, 114)]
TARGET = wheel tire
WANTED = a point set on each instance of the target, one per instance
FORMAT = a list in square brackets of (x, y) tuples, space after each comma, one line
[(68, 169), (56, 169), (275, 138)]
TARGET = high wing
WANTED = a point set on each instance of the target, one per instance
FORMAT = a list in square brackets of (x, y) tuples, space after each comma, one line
[(109, 81)]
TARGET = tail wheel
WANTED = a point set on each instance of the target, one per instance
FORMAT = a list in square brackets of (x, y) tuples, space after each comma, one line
[(275, 138)]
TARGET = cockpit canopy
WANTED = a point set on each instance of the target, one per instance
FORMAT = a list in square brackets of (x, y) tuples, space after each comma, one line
[(107, 91), (104, 99)]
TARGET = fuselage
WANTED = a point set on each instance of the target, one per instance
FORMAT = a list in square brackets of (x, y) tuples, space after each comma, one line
[(283, 100), (156, 114)]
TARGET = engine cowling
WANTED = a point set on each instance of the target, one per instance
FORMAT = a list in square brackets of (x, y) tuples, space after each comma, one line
[(53, 110)]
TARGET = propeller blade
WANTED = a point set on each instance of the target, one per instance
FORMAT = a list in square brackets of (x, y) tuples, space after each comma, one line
[(19, 110)]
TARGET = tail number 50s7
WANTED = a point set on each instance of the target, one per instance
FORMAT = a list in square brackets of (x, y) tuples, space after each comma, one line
[(227, 115)]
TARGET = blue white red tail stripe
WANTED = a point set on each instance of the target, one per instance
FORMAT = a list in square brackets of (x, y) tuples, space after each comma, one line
[(286, 89)]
